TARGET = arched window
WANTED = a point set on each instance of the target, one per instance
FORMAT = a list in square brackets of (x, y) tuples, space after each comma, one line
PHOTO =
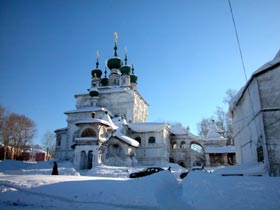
[(88, 132), (174, 145), (181, 163), (58, 140), (183, 145), (152, 140), (138, 139)]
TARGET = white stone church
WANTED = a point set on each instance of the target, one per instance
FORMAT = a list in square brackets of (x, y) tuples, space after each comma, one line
[(108, 126)]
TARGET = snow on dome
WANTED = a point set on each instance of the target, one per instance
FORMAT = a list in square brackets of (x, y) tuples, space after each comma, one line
[(147, 127)]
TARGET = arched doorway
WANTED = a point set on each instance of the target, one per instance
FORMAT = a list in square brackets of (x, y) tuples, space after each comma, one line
[(90, 156), (197, 155), (83, 160)]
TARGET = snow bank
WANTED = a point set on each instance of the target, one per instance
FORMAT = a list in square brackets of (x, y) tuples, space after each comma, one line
[(110, 188), (14, 167), (250, 169), (109, 171), (150, 192), (208, 191)]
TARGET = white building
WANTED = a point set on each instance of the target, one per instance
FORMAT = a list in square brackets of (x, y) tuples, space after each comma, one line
[(109, 126), (256, 118)]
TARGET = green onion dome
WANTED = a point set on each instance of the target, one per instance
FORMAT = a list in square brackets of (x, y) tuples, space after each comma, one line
[(133, 77), (96, 73), (104, 81), (93, 92), (125, 70), (114, 63)]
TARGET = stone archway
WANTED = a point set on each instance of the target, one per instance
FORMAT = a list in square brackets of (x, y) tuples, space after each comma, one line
[(197, 154)]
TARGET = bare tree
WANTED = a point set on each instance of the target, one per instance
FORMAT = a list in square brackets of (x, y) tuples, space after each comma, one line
[(230, 94), (6, 135), (16, 131), (203, 127), (48, 142), (222, 119), (22, 130)]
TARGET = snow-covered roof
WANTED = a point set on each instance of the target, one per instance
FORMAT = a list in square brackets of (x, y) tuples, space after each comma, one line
[(92, 120), (60, 129), (217, 149), (35, 151), (267, 66), (126, 139), (147, 127), (87, 109), (180, 130), (108, 119)]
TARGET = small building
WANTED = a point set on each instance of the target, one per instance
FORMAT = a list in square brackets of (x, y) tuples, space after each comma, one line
[(34, 155), (186, 148), (154, 144), (256, 118), (217, 150)]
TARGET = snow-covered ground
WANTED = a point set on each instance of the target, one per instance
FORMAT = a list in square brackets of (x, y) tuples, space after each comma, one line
[(26, 185)]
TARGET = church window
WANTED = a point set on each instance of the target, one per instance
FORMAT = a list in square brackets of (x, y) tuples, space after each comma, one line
[(58, 140), (152, 140), (181, 163), (183, 145), (260, 150), (88, 132), (174, 145)]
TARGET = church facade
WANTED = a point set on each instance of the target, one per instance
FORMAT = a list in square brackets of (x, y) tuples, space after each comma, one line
[(109, 126)]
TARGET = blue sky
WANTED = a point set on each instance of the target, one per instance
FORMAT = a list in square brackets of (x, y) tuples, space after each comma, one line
[(184, 52)]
